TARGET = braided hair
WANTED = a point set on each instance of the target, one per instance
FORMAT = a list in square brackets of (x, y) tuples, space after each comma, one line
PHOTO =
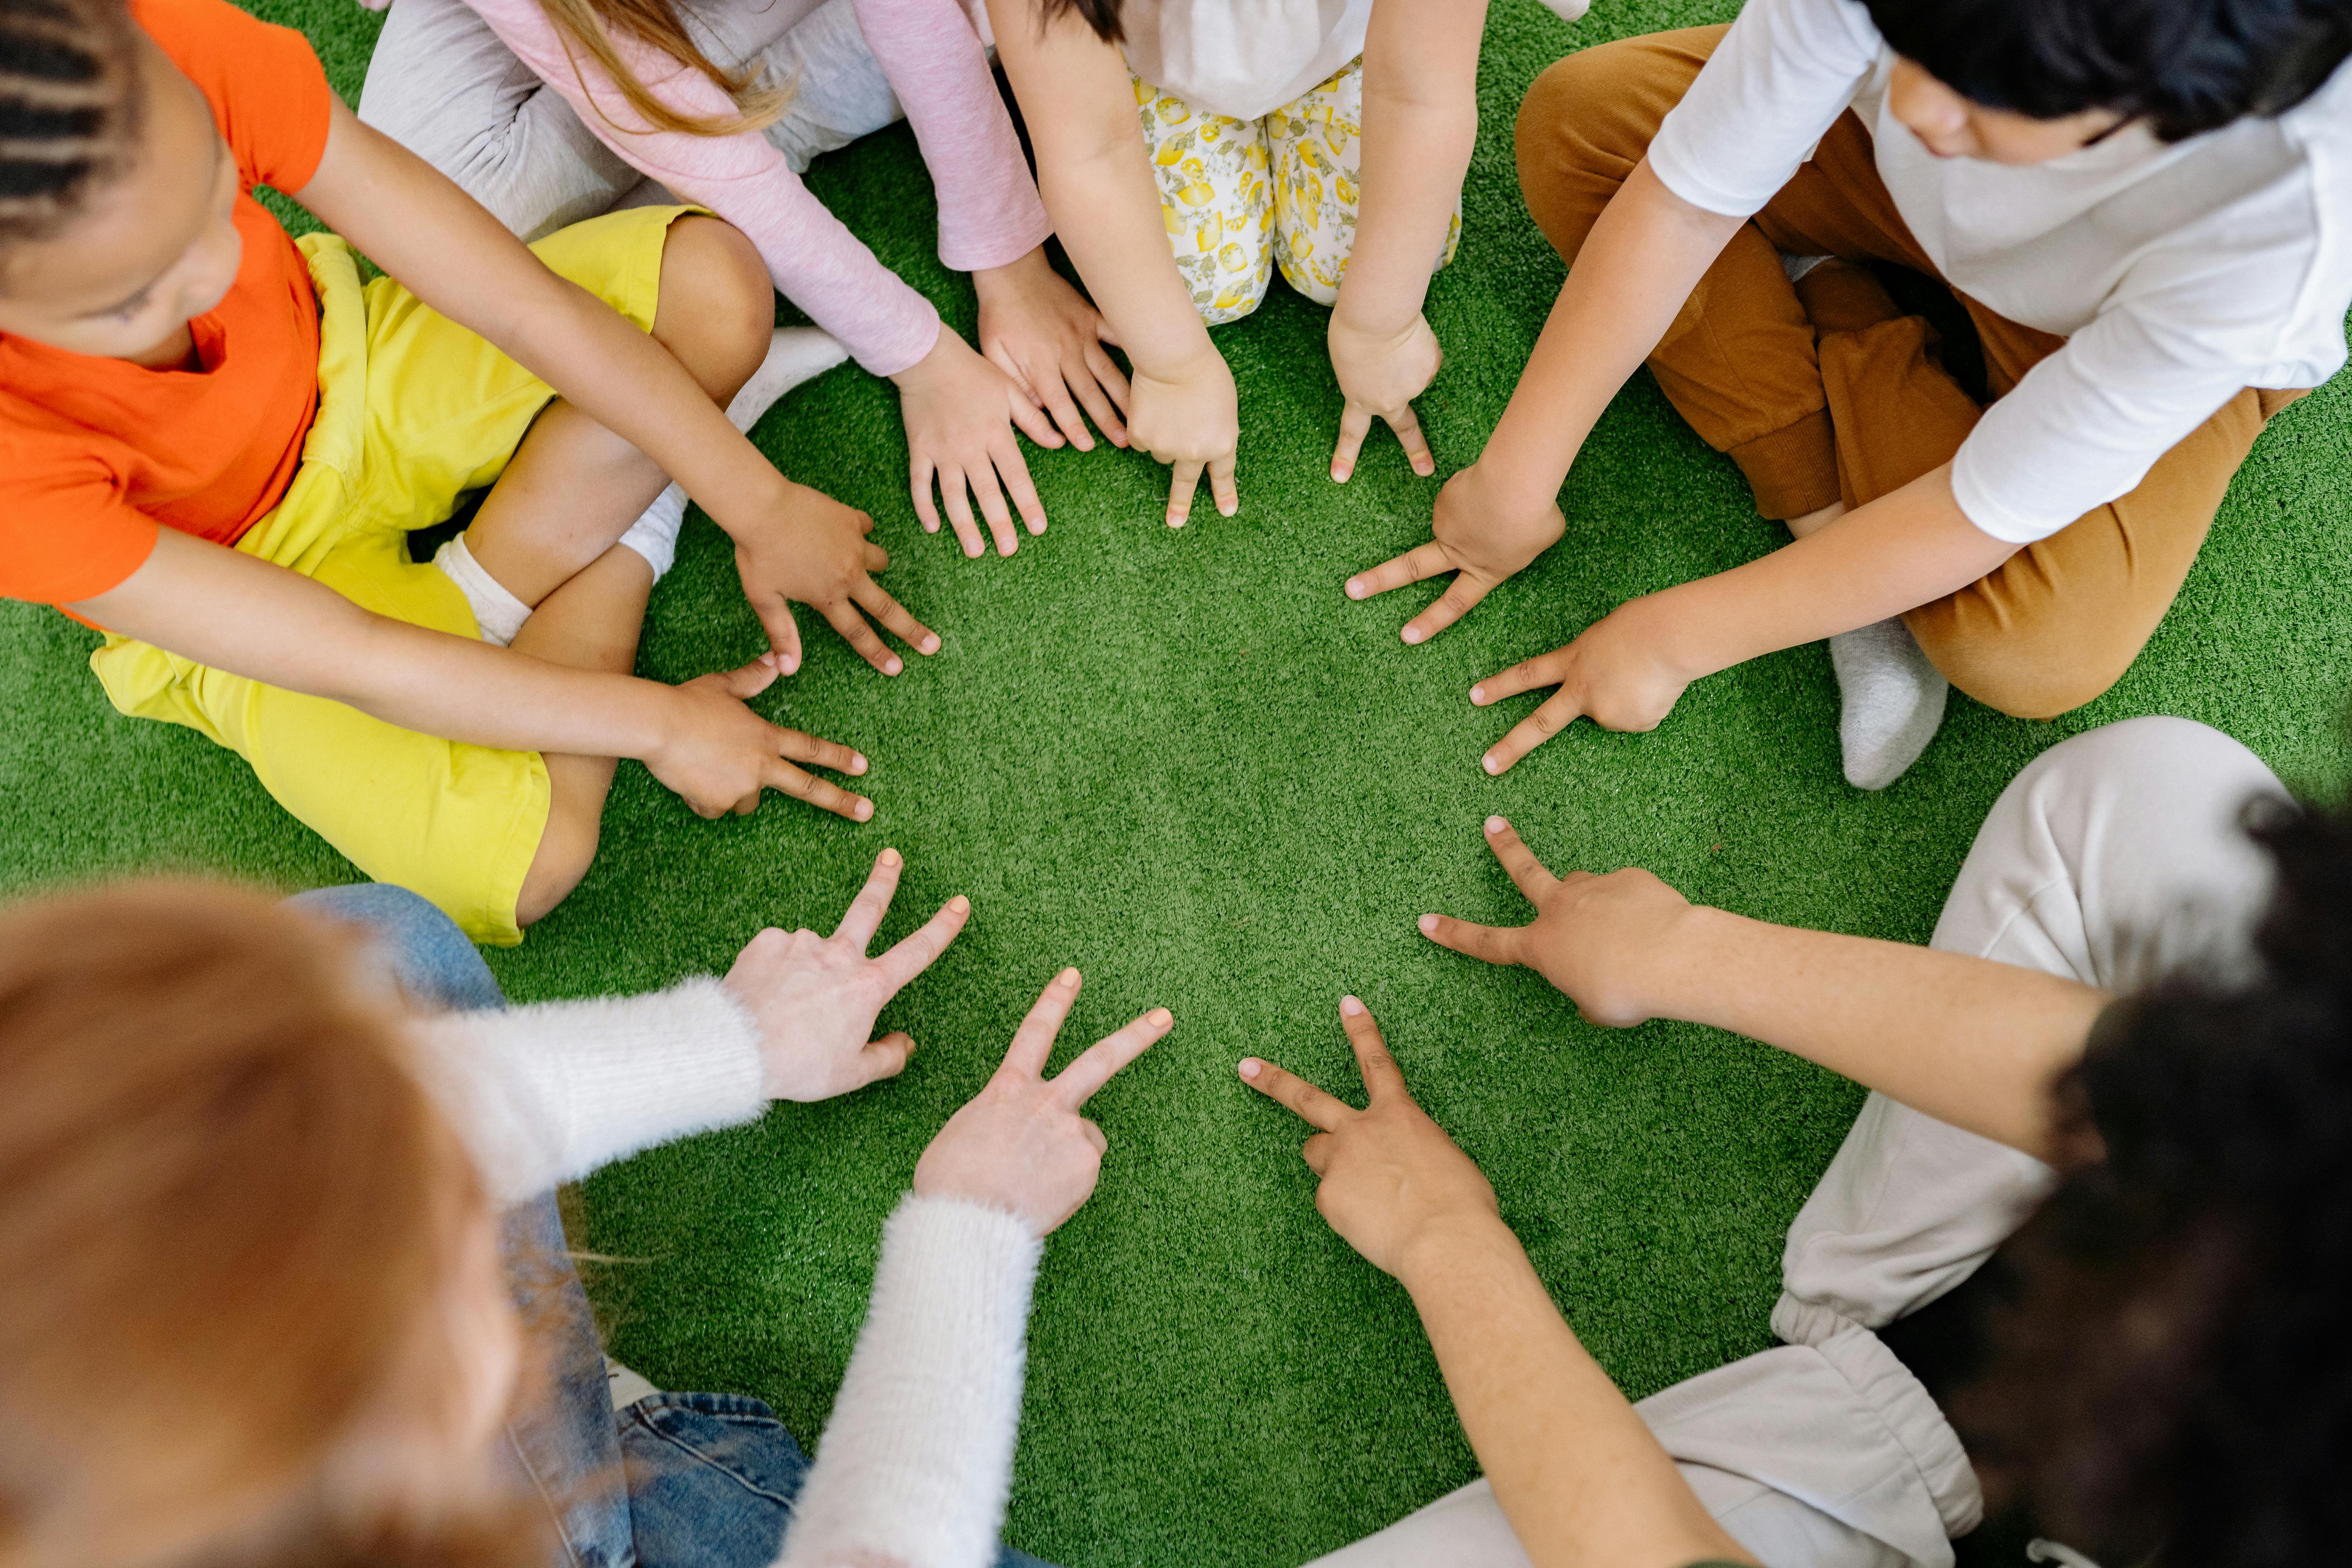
[(69, 107)]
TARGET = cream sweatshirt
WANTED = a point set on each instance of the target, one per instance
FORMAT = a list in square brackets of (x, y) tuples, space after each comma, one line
[(914, 1468)]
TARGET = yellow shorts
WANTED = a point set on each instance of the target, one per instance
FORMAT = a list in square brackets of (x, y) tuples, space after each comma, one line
[(414, 411)]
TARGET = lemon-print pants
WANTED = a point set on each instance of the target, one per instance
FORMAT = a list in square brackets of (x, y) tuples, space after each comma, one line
[(1243, 196)]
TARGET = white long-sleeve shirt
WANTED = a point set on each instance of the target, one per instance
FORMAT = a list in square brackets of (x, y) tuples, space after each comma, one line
[(2178, 273), (916, 1461)]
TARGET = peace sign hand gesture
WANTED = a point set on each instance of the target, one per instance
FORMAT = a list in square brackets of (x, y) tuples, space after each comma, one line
[(1390, 1177), (1020, 1144), (1611, 942)]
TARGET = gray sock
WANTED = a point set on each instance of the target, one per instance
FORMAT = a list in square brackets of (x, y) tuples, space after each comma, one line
[(1891, 701)]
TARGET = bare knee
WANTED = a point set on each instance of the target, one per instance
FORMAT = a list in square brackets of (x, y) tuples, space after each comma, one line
[(717, 307)]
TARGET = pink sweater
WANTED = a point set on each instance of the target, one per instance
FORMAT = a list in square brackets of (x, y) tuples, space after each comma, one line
[(989, 210)]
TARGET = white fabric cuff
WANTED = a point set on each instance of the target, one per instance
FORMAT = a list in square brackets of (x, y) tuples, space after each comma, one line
[(548, 1093), (497, 613), (916, 1463)]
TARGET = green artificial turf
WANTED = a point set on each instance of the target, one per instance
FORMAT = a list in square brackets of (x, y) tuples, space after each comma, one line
[(1185, 761)]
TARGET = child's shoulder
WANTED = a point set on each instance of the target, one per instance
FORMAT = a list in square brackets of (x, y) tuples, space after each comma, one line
[(268, 91)]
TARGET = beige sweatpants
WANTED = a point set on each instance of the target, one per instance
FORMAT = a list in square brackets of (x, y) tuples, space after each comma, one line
[(2113, 858)]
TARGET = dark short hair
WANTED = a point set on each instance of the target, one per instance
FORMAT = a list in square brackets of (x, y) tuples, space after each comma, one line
[(2172, 1377), (1103, 15), (69, 107), (2185, 66)]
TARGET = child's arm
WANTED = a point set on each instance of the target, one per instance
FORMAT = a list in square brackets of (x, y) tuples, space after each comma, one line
[(1420, 124), (791, 543), (1967, 1040), (239, 614), (1578, 1473), (1096, 180)]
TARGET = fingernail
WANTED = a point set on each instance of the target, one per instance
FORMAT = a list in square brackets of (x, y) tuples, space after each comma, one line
[(1495, 825), (1175, 522), (1477, 694), (791, 664), (1355, 588), (1428, 925), (1412, 634), (972, 551), (1251, 1067), (1224, 510), (1339, 475), (894, 665), (1159, 1017), (929, 644), (858, 764), (887, 858), (930, 528), (1490, 764), (1068, 977), (1036, 525), (769, 658), (1350, 1006), (959, 904), (864, 810)]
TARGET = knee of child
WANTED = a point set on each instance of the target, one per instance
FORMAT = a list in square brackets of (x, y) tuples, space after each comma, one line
[(718, 309), (566, 849), (2018, 674)]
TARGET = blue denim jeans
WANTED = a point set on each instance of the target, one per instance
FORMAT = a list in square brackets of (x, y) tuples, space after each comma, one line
[(677, 1480)]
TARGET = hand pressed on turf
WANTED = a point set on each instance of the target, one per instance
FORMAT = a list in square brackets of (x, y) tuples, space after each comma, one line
[(1481, 537), (1050, 338), (1193, 423), (1020, 1144), (718, 755), (960, 410), (1606, 942), (814, 550), (816, 997), (1617, 674), (1380, 377), (1390, 1176)]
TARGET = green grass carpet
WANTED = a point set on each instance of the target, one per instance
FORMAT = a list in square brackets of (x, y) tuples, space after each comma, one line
[(1185, 761)]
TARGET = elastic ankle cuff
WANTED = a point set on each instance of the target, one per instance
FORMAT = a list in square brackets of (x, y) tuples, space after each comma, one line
[(497, 613), (1793, 470)]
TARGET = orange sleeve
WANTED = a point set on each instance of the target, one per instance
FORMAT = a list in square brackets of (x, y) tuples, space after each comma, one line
[(66, 532), (268, 92)]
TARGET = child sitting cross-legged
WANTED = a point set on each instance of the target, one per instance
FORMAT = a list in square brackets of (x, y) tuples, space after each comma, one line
[(215, 442), (2137, 210)]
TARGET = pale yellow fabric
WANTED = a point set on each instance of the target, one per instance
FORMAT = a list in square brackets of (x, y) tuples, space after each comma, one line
[(1240, 197), (414, 411)]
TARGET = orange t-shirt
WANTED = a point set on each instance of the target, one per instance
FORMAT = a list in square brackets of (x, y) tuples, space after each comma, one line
[(96, 454)]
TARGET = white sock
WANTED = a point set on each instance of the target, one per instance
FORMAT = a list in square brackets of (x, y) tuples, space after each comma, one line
[(1891, 701), (625, 1386), (795, 354), (497, 613)]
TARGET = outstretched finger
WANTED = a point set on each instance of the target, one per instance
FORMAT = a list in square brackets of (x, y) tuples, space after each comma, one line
[(1383, 1077), (864, 915), (1227, 494), (1079, 1082), (918, 480), (884, 1057), (783, 632), (787, 779), (1112, 381), (1461, 597), (876, 601), (1317, 1153), (1064, 413), (1184, 481), (1318, 1109), (1355, 424), (748, 681), (920, 948), (799, 746), (1558, 713), (967, 532), (992, 509), (1033, 1042), (845, 618), (1529, 875), (1528, 675), (1496, 944), (1422, 560), (1029, 414), (1014, 469), (1407, 426)]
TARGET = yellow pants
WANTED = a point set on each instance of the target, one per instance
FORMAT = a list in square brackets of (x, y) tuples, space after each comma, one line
[(414, 412), (1243, 196)]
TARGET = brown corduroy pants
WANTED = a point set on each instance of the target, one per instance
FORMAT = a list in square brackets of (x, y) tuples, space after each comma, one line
[(1825, 390)]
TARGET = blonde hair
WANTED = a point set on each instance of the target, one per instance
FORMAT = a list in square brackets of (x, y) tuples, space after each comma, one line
[(229, 1218), (592, 25)]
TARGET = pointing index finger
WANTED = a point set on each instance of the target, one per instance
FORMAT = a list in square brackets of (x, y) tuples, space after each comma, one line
[(1032, 1043), (1532, 877), (1319, 1109), (864, 917)]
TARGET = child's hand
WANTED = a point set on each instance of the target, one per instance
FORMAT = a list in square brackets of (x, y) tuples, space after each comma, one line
[(1193, 422), (1049, 339), (1618, 674), (815, 998), (1607, 943), (718, 755), (1020, 1144), (813, 549), (959, 411), (1479, 536), (1390, 1176), (1381, 377)]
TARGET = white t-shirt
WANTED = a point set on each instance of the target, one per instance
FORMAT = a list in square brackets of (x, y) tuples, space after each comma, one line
[(2178, 273)]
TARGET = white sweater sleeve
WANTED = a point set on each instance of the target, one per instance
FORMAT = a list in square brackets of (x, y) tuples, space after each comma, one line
[(546, 1093), (916, 1464)]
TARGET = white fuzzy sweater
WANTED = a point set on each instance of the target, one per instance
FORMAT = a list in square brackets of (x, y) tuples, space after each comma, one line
[(913, 1468)]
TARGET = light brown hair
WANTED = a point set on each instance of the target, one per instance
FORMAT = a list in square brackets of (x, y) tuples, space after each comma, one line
[(592, 24), (227, 1213)]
